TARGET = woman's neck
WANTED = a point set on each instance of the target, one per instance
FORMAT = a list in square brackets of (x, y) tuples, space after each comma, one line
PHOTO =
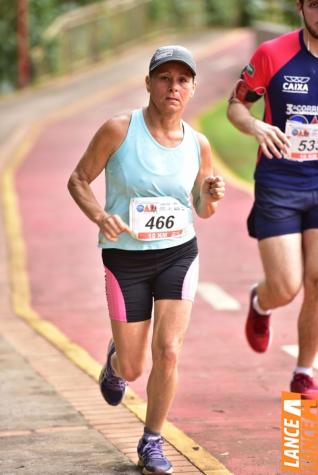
[(165, 122), (167, 129)]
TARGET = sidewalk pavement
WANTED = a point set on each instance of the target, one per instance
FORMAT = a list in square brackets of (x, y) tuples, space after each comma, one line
[(52, 417), (47, 431)]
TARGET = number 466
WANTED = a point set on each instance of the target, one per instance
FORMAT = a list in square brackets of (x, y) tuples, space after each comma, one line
[(160, 222)]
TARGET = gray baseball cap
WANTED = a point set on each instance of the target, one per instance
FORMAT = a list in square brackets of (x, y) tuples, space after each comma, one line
[(164, 54)]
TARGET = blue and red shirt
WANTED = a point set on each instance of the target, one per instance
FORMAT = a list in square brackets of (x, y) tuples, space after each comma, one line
[(286, 73)]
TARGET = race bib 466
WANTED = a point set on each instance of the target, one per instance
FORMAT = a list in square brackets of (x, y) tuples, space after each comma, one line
[(153, 218)]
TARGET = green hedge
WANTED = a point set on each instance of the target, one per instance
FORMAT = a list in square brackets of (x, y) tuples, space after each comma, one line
[(228, 12), (237, 150)]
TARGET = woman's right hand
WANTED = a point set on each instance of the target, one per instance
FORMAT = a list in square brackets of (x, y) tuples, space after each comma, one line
[(112, 225)]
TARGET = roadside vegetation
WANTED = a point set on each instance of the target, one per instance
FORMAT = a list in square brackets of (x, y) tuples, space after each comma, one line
[(41, 14), (236, 150), (172, 14)]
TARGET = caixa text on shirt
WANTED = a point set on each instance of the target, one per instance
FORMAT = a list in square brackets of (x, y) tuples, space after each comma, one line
[(296, 84)]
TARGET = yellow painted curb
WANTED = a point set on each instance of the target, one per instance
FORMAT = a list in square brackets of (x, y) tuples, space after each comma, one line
[(20, 288)]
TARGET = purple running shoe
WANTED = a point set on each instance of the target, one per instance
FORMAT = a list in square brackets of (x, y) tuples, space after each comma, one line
[(111, 386), (151, 457)]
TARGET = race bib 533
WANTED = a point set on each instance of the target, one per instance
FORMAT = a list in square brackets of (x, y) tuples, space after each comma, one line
[(303, 139)]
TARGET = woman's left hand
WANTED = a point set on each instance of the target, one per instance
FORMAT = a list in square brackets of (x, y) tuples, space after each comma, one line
[(213, 188)]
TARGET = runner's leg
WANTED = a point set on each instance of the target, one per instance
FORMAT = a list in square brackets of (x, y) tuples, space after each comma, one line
[(308, 318), (282, 259), (131, 340), (171, 321)]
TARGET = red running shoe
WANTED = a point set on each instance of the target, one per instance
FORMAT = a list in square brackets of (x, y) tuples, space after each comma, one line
[(257, 329), (305, 385)]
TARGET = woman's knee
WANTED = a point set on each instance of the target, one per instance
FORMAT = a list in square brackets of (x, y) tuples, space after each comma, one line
[(130, 372), (166, 355)]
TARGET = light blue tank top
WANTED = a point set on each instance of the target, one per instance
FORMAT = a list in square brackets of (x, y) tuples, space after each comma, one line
[(141, 167)]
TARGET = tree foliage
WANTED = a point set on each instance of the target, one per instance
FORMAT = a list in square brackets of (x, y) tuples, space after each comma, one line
[(41, 13), (8, 42)]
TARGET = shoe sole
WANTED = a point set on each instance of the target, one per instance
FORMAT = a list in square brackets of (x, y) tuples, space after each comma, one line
[(101, 378), (101, 375), (307, 397), (148, 472)]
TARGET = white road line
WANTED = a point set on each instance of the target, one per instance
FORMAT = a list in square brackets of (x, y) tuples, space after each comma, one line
[(293, 351), (217, 297)]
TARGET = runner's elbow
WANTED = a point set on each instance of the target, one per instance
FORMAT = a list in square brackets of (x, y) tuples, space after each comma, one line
[(74, 183), (71, 184)]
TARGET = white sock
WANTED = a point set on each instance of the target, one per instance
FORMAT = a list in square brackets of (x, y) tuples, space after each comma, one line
[(258, 308), (307, 371)]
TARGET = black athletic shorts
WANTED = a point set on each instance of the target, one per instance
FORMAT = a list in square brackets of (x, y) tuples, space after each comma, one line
[(135, 278)]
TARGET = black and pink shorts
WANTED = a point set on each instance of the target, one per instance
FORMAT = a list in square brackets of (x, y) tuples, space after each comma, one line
[(134, 279)]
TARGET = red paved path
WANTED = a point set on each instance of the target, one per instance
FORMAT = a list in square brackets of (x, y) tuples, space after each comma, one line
[(228, 399)]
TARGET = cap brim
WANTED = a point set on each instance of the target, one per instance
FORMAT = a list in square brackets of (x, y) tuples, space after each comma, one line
[(174, 60)]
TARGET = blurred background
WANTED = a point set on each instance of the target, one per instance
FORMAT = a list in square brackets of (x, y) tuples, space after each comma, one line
[(45, 38)]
